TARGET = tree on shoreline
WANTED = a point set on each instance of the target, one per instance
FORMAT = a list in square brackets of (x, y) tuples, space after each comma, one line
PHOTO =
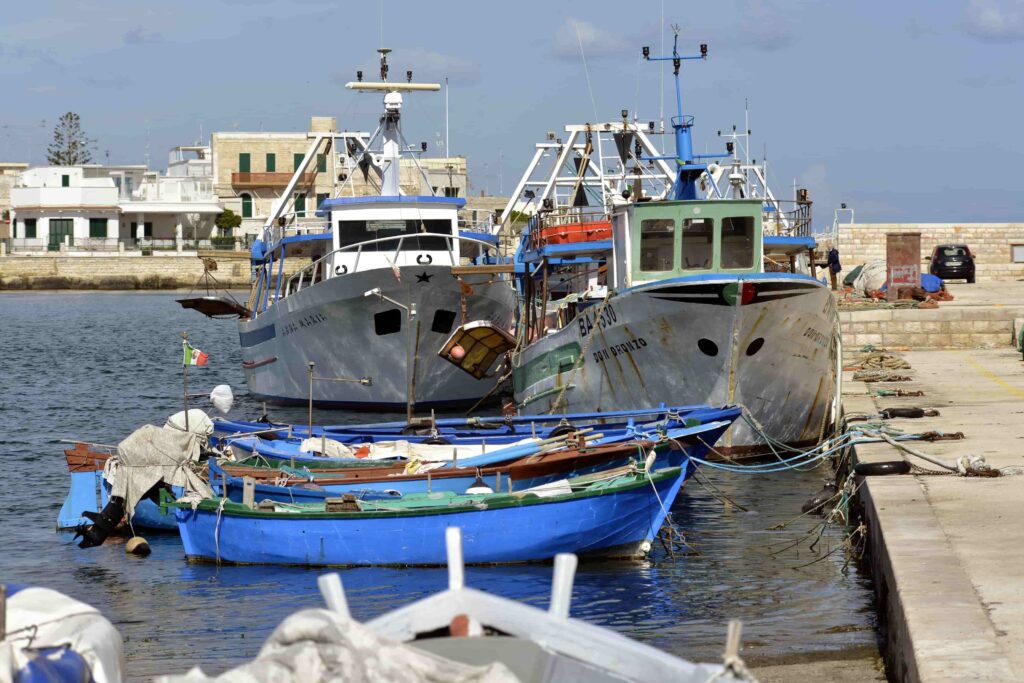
[(70, 146)]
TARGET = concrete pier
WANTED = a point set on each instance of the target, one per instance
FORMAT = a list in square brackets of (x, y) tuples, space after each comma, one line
[(947, 552)]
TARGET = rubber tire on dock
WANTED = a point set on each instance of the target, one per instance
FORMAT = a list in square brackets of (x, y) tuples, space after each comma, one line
[(875, 469)]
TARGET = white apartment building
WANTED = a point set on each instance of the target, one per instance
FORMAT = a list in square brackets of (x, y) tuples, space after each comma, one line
[(108, 208)]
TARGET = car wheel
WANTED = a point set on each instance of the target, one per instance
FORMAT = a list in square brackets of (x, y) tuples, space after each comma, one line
[(970, 280)]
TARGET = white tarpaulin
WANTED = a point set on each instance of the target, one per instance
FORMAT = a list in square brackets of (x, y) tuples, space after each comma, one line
[(871, 278), (317, 646), (151, 454), (40, 618)]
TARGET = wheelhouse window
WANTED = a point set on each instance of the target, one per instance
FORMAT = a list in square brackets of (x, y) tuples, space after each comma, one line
[(738, 242), (698, 243), (657, 238), (354, 232)]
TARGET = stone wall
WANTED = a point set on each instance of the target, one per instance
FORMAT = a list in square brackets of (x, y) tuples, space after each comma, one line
[(124, 272), (942, 328), (990, 243)]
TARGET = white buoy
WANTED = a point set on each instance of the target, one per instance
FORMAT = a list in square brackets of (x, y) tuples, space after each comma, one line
[(138, 546)]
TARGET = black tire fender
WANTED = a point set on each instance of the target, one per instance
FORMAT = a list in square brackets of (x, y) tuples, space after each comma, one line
[(877, 469)]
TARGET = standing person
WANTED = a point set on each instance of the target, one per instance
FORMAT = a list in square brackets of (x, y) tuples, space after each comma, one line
[(833, 264)]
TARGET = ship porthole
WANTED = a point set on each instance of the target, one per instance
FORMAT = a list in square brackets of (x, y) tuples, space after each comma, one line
[(755, 346), (707, 347)]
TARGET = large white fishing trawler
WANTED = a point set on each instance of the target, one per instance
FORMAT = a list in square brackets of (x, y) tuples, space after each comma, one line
[(648, 281), (387, 278)]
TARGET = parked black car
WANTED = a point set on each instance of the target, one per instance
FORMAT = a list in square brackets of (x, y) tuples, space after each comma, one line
[(952, 262)]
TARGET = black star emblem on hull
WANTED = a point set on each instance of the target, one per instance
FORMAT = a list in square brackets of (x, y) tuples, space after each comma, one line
[(423, 277)]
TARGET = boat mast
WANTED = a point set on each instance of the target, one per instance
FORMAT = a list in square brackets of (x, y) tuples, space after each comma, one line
[(689, 169), (389, 160)]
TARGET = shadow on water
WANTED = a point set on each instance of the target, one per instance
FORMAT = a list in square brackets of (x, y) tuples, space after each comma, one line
[(95, 366)]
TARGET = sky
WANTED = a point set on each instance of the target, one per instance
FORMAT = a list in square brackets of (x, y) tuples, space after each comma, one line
[(907, 111)]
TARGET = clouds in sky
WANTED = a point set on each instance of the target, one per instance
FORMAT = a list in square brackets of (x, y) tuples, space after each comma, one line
[(596, 41), (995, 21)]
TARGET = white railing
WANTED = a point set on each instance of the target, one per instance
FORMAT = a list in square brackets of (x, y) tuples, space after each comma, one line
[(318, 270)]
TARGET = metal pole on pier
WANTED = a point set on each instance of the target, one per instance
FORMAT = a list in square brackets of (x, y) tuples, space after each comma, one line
[(311, 366), (184, 376)]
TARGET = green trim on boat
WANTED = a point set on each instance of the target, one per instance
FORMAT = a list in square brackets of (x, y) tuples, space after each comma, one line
[(423, 504), (553, 362)]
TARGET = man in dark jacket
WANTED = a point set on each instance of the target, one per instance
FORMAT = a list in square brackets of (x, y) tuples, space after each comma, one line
[(833, 264)]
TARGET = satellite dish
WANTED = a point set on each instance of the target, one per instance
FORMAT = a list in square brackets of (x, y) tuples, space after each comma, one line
[(222, 398)]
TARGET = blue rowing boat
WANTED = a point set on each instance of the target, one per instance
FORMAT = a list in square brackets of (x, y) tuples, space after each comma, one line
[(495, 429), (610, 514), (293, 485)]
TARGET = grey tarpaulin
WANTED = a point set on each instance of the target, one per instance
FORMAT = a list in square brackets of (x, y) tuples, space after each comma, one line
[(317, 645), (151, 454)]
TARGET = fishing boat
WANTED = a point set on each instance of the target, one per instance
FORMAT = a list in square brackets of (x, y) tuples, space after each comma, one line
[(677, 296), (385, 277), (466, 634), (460, 430), (89, 492), (46, 636), (673, 449), (614, 513), (440, 444)]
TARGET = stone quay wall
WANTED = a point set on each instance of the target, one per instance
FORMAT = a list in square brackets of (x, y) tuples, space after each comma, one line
[(989, 242), (125, 272)]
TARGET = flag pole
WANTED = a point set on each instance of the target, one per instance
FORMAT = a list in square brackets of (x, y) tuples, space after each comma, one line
[(184, 375)]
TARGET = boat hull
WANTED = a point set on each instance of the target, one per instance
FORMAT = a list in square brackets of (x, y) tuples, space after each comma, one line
[(771, 351), (620, 523), (349, 335)]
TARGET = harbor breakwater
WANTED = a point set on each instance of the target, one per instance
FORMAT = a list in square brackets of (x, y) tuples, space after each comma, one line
[(125, 272)]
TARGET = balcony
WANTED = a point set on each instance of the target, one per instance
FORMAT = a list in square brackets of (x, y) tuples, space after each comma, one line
[(244, 180)]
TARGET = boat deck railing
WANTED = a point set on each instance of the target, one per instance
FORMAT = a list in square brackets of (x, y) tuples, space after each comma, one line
[(789, 218), (318, 270), (568, 224)]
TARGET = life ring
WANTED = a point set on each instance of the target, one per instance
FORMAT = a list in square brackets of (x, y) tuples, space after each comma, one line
[(424, 259), (341, 270), (869, 469)]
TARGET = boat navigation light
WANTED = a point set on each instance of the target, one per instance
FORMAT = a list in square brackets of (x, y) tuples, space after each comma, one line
[(729, 147), (408, 76), (423, 145), (647, 51), (625, 114), (650, 126), (359, 76), (704, 50)]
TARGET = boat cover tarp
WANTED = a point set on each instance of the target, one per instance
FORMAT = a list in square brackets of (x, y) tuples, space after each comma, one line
[(54, 638), (872, 277), (317, 645), (151, 454)]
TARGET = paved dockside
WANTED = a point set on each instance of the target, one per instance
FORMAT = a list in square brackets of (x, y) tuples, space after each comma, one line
[(947, 552)]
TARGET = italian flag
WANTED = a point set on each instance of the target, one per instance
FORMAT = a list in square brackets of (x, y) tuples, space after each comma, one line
[(193, 356)]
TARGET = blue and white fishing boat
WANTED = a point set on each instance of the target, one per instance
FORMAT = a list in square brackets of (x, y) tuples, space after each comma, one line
[(615, 513), (48, 637), (387, 278), (678, 296)]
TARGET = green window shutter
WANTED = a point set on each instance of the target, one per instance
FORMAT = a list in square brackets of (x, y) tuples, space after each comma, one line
[(244, 165), (246, 206), (65, 181), (30, 228), (297, 158), (321, 163), (271, 162), (300, 205), (98, 227)]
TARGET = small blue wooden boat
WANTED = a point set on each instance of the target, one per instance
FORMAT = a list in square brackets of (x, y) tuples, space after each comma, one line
[(281, 451), (609, 514), (90, 492), (674, 449), (495, 429)]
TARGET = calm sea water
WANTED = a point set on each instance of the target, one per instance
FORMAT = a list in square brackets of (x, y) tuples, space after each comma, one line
[(94, 366)]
